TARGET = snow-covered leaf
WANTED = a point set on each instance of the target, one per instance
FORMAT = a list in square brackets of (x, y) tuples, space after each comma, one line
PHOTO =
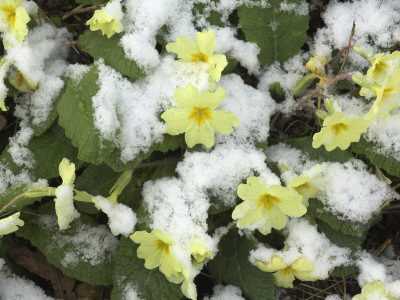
[(279, 34)]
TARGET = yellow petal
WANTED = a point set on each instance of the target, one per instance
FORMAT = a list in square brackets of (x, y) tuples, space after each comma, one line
[(302, 264), (217, 63), (101, 21), (184, 47), (177, 120), (252, 190), (153, 257), (206, 42), (284, 279), (276, 218), (10, 224), (200, 135), (222, 121), (67, 171), (144, 238), (187, 97), (212, 100)]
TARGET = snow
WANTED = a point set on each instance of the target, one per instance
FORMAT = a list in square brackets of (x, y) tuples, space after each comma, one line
[(13, 287), (90, 244), (303, 240), (228, 292)]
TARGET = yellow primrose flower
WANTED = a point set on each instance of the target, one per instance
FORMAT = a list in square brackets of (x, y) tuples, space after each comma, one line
[(199, 252), (340, 131), (10, 224), (197, 117), (302, 185), (200, 52), (266, 205), (374, 291), (155, 249), (107, 19), (285, 274), (382, 65), (64, 201), (388, 96), (15, 15), (21, 82)]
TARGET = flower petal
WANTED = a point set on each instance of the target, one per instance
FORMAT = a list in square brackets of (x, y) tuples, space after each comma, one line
[(177, 120), (67, 171), (217, 64), (284, 279), (212, 100), (222, 121), (202, 134), (252, 190), (184, 47), (206, 41), (187, 97)]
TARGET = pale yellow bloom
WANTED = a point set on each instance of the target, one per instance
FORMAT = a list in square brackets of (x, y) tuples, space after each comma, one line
[(340, 131), (155, 248), (374, 291), (266, 206), (201, 51), (197, 117), (15, 15), (10, 224), (199, 251), (22, 82), (302, 185), (107, 19), (285, 274), (64, 201)]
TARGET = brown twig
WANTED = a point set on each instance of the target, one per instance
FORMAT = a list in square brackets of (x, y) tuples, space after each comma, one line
[(339, 55), (69, 43), (11, 203), (79, 10), (313, 94), (353, 29)]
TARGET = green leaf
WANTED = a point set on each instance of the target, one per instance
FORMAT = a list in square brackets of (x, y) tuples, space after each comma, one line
[(76, 242), (369, 149), (305, 144), (214, 17), (339, 238), (48, 149), (344, 271), (355, 229), (13, 192), (231, 266), (76, 116), (170, 143), (130, 271), (285, 41), (99, 46), (277, 92)]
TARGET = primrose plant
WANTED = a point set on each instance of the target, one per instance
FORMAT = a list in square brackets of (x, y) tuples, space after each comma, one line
[(197, 149)]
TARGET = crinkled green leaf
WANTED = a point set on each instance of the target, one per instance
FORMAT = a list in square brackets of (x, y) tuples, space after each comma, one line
[(305, 144), (76, 116), (344, 271), (170, 143), (47, 239), (339, 238), (231, 266), (99, 46), (279, 34), (355, 229), (370, 150), (48, 150), (130, 272)]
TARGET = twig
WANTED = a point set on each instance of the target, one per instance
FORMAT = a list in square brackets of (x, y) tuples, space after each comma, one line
[(337, 57), (304, 100), (11, 203), (69, 43), (79, 10), (382, 247), (353, 29)]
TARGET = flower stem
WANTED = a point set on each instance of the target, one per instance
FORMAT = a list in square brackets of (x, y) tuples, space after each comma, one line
[(336, 60), (11, 203)]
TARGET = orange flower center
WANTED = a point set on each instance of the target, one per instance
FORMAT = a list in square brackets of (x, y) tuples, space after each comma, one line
[(162, 246), (337, 128), (304, 186), (10, 13), (287, 271), (200, 114), (199, 57), (267, 201)]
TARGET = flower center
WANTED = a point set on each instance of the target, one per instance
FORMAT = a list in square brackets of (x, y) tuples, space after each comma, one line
[(162, 246), (304, 186), (10, 13), (337, 128), (286, 271), (267, 201), (386, 93), (380, 67), (200, 114), (199, 56)]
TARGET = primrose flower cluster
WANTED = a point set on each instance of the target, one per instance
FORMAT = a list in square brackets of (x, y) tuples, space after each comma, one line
[(381, 82)]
